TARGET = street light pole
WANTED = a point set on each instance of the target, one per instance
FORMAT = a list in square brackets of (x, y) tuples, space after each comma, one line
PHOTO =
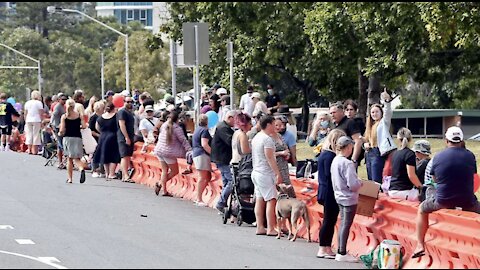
[(38, 67), (52, 9)]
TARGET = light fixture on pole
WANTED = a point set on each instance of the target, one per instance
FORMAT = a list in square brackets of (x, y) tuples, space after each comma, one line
[(53, 9), (38, 67)]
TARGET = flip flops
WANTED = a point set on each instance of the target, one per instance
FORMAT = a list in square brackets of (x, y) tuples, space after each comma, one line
[(418, 254)]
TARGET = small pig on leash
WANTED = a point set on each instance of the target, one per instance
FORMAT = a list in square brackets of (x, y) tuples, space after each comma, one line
[(290, 209)]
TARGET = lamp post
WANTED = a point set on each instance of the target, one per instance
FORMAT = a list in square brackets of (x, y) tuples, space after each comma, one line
[(38, 67), (53, 9)]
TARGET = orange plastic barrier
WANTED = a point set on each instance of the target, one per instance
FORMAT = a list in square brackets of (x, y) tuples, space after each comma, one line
[(452, 241)]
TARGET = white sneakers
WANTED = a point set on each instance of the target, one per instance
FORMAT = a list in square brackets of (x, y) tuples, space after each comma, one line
[(2, 148), (98, 175), (7, 148), (200, 204), (346, 258)]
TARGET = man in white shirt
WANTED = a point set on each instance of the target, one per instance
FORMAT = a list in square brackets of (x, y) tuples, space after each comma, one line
[(147, 126), (246, 102)]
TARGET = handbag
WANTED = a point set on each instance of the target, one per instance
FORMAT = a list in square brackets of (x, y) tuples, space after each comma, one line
[(302, 165)]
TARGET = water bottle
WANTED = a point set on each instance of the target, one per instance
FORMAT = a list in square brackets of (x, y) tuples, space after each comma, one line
[(308, 170)]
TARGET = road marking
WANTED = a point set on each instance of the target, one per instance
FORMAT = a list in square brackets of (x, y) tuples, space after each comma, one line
[(6, 227), (49, 259), (25, 242), (35, 259)]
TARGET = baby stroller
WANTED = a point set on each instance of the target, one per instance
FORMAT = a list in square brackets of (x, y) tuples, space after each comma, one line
[(242, 202)]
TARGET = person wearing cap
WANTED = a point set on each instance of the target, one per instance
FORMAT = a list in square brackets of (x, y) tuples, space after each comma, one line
[(258, 105), (147, 127), (422, 154), (404, 183), (109, 96), (224, 106), (221, 92), (273, 100), (125, 137), (346, 187), (246, 102), (453, 170)]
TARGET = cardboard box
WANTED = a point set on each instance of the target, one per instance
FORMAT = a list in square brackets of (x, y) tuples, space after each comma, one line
[(368, 196)]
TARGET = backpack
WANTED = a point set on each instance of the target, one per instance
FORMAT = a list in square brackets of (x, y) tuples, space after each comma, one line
[(387, 255)]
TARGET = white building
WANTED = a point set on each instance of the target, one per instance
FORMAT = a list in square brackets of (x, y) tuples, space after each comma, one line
[(150, 14)]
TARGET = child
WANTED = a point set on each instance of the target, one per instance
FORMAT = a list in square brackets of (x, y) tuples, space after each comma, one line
[(346, 185)]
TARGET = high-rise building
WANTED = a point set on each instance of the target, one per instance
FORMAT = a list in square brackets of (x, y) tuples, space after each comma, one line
[(150, 14)]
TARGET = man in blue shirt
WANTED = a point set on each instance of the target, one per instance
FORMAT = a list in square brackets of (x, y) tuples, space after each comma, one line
[(453, 170), (289, 138)]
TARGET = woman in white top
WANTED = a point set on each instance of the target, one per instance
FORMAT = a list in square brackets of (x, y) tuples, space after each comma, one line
[(33, 119), (259, 105)]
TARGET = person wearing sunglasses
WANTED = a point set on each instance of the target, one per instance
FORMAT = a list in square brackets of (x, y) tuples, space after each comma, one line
[(125, 134)]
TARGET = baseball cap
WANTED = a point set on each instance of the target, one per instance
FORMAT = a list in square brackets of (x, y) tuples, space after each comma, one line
[(256, 95), (63, 96), (454, 134), (221, 91), (149, 108), (125, 93), (344, 141), (225, 97), (109, 93), (422, 146)]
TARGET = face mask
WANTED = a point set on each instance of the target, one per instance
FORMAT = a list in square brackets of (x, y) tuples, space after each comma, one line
[(270, 91), (324, 124)]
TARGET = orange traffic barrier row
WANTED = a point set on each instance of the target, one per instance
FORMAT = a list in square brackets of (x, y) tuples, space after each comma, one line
[(452, 240)]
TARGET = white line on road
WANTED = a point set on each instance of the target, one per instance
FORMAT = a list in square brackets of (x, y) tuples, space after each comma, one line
[(25, 242), (36, 259), (6, 227), (49, 259)]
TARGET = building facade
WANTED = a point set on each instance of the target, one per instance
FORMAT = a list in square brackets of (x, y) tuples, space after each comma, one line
[(150, 14)]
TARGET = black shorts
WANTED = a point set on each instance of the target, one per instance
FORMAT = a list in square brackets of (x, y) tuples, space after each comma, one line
[(6, 130), (124, 149)]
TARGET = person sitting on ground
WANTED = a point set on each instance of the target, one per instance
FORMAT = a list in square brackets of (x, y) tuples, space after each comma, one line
[(6, 112), (346, 186), (265, 176), (15, 138), (201, 157), (422, 154), (404, 183), (172, 144), (453, 170)]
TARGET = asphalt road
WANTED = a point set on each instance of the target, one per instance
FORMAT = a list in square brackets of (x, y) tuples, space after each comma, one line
[(98, 224)]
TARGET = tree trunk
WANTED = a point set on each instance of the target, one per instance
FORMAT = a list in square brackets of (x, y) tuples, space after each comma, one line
[(305, 109), (362, 93), (374, 89)]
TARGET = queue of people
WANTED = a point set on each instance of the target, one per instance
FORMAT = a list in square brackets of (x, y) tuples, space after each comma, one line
[(258, 135)]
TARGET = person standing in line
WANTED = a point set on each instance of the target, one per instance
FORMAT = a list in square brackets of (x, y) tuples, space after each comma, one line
[(282, 153), (201, 157), (71, 123), (6, 112), (326, 195), (246, 102), (58, 111), (351, 112), (125, 136), (287, 137), (346, 186), (265, 176), (33, 121), (107, 152), (146, 128), (172, 144), (378, 140), (222, 155), (99, 109), (272, 101), (258, 105)]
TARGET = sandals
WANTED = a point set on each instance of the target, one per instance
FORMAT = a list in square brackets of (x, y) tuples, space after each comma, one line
[(69, 181), (158, 187), (128, 181), (418, 254)]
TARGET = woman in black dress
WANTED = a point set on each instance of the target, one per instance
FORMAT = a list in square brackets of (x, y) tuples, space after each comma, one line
[(107, 149)]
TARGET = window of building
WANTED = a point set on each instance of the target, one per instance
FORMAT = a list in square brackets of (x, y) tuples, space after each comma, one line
[(130, 15)]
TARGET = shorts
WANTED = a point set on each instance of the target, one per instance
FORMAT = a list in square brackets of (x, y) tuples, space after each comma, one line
[(169, 161), (73, 147), (59, 139), (125, 150), (203, 163), (409, 195), (6, 130), (431, 205), (265, 186), (32, 132)]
